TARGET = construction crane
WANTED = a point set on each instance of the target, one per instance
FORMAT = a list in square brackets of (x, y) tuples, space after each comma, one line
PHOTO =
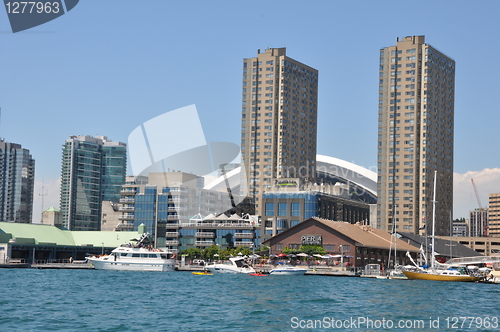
[(485, 230)]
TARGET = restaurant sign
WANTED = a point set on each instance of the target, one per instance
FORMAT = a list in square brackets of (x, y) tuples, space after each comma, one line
[(316, 240)]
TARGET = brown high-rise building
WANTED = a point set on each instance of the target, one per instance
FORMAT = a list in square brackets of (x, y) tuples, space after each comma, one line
[(415, 136), (494, 215), (279, 121)]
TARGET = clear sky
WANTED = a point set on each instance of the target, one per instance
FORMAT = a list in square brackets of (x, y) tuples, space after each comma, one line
[(107, 66)]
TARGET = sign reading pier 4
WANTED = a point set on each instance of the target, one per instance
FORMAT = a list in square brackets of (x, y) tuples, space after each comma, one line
[(25, 15)]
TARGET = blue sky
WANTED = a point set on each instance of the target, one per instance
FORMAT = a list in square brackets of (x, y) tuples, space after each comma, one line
[(108, 66)]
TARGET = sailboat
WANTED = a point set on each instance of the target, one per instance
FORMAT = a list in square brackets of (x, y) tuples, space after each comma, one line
[(433, 273)]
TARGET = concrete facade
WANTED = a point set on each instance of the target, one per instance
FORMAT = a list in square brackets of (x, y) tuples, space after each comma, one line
[(415, 135), (279, 121)]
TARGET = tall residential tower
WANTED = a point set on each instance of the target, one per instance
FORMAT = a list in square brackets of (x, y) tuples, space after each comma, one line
[(415, 136), (279, 121), (17, 177), (93, 169)]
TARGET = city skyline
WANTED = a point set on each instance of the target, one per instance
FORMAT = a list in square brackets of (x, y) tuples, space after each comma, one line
[(76, 76)]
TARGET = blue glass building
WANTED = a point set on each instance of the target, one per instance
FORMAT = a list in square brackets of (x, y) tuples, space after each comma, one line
[(93, 169), (17, 176)]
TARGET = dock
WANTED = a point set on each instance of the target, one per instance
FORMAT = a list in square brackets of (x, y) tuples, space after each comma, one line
[(77, 265), (332, 271)]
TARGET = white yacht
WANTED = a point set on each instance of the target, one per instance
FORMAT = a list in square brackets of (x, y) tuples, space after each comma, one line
[(288, 270), (235, 265), (137, 258)]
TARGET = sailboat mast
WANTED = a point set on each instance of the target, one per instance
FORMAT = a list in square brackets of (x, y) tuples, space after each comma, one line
[(433, 220)]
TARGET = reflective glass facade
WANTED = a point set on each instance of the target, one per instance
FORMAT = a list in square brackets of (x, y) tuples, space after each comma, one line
[(17, 173), (89, 173)]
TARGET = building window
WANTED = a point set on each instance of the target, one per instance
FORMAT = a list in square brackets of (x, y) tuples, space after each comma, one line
[(346, 248), (295, 209), (329, 247), (279, 246), (294, 223), (282, 209), (270, 209)]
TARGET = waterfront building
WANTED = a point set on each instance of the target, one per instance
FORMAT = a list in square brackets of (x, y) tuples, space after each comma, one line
[(164, 199), (17, 177), (40, 244), (93, 169), (279, 122), (494, 215), (478, 223), (222, 230), (415, 136), (359, 244)]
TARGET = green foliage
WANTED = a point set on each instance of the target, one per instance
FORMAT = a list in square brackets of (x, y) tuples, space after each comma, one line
[(288, 251), (312, 250), (193, 253)]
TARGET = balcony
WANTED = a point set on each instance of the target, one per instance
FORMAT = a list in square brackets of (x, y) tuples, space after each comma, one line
[(243, 235), (205, 234), (204, 243), (171, 225), (126, 209), (243, 244), (126, 217), (171, 234), (127, 200), (172, 217), (127, 191), (172, 243)]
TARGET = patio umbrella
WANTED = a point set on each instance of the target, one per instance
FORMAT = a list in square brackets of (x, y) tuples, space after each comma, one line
[(273, 256), (282, 255), (318, 255), (302, 255), (292, 255)]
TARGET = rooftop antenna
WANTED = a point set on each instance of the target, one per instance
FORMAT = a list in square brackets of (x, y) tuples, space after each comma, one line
[(43, 194)]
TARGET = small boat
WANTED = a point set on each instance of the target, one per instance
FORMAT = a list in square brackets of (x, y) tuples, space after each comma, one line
[(288, 270), (204, 273), (235, 265), (137, 258), (259, 274)]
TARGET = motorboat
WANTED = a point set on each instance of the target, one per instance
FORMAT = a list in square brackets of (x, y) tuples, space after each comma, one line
[(288, 270), (234, 265), (204, 273), (135, 258)]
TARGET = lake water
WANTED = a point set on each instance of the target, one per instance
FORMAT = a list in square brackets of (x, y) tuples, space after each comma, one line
[(91, 300)]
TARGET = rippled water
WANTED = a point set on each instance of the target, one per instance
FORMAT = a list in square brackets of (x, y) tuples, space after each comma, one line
[(90, 300)]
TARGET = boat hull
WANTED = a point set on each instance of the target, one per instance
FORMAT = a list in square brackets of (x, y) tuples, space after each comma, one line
[(222, 268), (160, 266), (437, 277)]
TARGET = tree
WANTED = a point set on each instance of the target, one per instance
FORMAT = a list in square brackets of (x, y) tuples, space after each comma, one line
[(312, 250), (192, 253), (288, 251)]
